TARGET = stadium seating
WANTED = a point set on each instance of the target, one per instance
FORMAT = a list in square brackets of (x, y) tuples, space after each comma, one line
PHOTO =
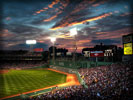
[(105, 83)]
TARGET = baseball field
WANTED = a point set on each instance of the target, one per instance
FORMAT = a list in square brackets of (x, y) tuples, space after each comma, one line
[(19, 81)]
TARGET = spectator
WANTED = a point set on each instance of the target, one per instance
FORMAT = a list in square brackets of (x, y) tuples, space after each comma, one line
[(104, 83)]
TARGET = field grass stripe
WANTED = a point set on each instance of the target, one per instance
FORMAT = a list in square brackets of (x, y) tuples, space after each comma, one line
[(27, 80)]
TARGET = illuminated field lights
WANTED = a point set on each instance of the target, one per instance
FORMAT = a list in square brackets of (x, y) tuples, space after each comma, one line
[(30, 41)]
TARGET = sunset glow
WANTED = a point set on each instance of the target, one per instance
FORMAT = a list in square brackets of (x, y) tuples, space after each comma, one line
[(96, 21)]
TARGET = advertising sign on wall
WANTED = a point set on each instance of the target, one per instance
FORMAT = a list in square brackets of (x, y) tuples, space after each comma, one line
[(38, 49), (128, 49), (96, 54)]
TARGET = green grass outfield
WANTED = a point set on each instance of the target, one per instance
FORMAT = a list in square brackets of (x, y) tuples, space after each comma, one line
[(19, 81)]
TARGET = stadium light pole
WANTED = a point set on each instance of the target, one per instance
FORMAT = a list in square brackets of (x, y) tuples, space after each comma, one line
[(53, 39), (31, 43), (73, 33)]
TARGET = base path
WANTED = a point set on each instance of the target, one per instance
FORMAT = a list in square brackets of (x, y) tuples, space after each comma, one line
[(70, 81)]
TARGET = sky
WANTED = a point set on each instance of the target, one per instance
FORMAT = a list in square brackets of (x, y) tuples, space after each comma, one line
[(96, 21)]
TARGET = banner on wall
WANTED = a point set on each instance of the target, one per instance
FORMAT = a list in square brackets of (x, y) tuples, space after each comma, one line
[(128, 49), (96, 54), (38, 49)]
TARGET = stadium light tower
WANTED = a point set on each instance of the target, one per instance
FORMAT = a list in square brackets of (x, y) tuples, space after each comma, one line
[(73, 33), (53, 39), (31, 43)]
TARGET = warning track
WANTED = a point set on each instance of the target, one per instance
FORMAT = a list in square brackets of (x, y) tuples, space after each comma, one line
[(71, 78), (70, 81), (4, 71)]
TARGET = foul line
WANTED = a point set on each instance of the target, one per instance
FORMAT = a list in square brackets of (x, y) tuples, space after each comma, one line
[(70, 81)]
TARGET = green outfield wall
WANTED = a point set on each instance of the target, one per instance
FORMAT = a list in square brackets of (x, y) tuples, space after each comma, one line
[(79, 64)]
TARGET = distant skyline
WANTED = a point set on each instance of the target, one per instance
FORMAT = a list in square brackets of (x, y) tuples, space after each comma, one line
[(96, 21)]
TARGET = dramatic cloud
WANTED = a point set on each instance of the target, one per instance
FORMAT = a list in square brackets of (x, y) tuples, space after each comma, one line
[(24, 29), (49, 6), (96, 21), (70, 22), (105, 41)]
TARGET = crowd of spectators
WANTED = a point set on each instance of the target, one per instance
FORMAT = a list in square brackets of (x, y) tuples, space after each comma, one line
[(104, 83), (21, 64)]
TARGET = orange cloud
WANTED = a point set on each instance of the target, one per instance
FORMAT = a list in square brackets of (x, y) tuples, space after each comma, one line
[(38, 12), (79, 48), (77, 23), (5, 30), (115, 34), (78, 8), (82, 6), (101, 32), (53, 3), (50, 6), (64, 4), (101, 35), (6, 34), (70, 44), (83, 41), (53, 17), (97, 4), (45, 8), (56, 10), (65, 36), (91, 1)]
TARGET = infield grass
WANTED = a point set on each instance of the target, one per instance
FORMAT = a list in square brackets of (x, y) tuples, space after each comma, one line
[(19, 81)]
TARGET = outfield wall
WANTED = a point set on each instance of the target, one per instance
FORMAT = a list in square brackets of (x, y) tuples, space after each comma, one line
[(78, 64), (72, 67), (63, 69)]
